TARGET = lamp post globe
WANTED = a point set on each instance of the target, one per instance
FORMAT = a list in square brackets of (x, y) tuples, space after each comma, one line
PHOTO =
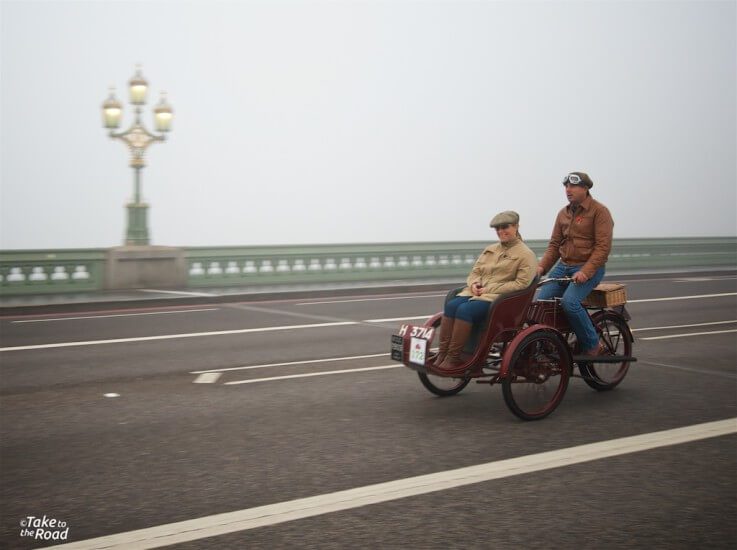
[(163, 115), (138, 87), (112, 111)]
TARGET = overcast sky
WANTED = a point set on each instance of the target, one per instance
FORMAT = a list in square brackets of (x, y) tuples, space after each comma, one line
[(364, 121)]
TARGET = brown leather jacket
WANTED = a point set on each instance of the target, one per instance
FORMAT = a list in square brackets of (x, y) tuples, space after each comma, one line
[(583, 238)]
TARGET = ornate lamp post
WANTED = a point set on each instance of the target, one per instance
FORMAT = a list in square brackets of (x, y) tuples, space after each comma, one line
[(138, 138)]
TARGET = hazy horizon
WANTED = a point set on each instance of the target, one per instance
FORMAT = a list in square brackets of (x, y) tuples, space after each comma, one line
[(317, 122)]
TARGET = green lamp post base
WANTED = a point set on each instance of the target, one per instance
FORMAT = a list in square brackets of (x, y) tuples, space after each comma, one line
[(137, 233)]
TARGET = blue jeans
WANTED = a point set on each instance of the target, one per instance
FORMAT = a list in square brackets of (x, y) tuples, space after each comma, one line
[(572, 295), (465, 309)]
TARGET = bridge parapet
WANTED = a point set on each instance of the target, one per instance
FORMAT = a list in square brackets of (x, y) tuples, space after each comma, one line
[(51, 271), (69, 270)]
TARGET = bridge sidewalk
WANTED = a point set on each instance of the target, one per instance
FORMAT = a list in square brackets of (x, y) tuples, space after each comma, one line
[(99, 300), (137, 298)]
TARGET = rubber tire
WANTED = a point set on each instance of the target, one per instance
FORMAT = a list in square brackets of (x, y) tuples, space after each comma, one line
[(546, 342), (443, 392), (588, 370), (437, 390)]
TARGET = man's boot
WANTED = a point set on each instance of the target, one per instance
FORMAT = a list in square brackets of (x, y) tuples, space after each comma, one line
[(446, 331), (461, 332)]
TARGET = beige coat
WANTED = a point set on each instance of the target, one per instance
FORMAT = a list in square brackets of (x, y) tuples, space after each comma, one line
[(502, 268)]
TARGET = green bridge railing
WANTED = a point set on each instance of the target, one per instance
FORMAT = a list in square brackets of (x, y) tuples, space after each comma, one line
[(50, 271)]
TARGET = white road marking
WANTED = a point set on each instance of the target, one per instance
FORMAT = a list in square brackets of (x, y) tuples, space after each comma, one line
[(207, 378), (111, 395), (328, 360), (628, 301), (115, 315), (699, 371), (179, 292), (174, 336), (281, 512), (369, 299), (689, 334), (703, 279), (310, 374), (682, 297), (268, 329), (695, 279), (407, 318), (685, 326), (374, 355)]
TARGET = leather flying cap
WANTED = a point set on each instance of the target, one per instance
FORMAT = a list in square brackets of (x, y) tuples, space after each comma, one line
[(582, 179), (503, 218)]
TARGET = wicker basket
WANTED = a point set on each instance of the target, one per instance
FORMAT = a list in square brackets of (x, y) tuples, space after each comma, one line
[(607, 295)]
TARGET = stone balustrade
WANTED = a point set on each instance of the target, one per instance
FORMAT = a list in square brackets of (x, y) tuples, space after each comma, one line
[(47, 271)]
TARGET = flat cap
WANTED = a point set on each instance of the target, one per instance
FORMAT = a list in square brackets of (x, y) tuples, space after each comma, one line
[(508, 216)]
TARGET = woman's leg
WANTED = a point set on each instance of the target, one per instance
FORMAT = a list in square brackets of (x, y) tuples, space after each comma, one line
[(446, 327), (466, 314), (473, 311), (452, 305)]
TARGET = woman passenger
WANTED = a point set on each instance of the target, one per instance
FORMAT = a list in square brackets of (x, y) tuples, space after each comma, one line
[(504, 267)]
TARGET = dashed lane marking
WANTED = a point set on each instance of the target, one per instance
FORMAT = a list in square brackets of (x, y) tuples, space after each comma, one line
[(688, 334), (179, 292), (440, 295), (408, 318), (685, 326), (115, 315), (703, 279), (311, 374), (207, 378), (287, 327), (695, 296), (700, 371), (369, 299), (174, 336), (281, 512), (289, 363)]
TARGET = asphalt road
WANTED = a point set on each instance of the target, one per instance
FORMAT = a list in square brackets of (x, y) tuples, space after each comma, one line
[(120, 420)]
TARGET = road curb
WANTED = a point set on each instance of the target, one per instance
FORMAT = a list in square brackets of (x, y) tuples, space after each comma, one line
[(97, 301)]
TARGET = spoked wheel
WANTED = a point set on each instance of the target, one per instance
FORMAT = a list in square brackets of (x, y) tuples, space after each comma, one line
[(441, 385), (538, 375), (615, 337)]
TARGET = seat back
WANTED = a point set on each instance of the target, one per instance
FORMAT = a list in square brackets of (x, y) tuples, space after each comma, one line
[(509, 312), (505, 314)]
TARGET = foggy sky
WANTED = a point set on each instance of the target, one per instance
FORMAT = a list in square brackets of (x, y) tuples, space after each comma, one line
[(321, 122)]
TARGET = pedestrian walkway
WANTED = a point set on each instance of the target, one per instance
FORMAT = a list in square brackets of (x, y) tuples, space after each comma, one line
[(153, 297), (150, 297)]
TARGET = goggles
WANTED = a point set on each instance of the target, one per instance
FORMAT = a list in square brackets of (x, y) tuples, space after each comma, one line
[(573, 179)]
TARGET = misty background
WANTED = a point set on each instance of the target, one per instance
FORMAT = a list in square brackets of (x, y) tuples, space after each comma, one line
[(300, 122)]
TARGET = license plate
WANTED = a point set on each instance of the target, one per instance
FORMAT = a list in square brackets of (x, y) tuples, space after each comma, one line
[(397, 347)]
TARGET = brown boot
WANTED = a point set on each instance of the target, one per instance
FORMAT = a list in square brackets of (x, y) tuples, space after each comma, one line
[(461, 332), (446, 331)]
